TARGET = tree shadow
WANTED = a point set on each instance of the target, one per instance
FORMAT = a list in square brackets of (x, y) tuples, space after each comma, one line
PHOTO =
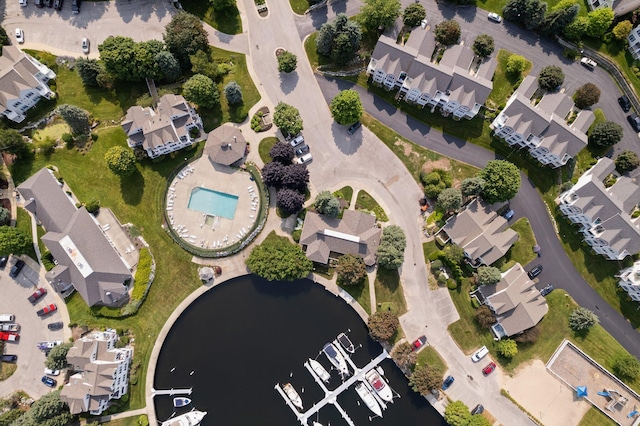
[(288, 81), (132, 188)]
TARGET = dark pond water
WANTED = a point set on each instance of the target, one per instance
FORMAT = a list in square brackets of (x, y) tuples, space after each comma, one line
[(246, 335)]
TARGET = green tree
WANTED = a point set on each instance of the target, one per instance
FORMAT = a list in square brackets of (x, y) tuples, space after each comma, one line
[(202, 63), (145, 53), (507, 348), (454, 253), (287, 62), (404, 355), (483, 45), (606, 134), (221, 5), (627, 161), (391, 249), (627, 367), (447, 32), (413, 14), (287, 118), (557, 20), (57, 358), (599, 21), (515, 64), (587, 95), (184, 36), (457, 414), (485, 317), (4, 38), (351, 270), (576, 29), (535, 12), (478, 420), (76, 118), (118, 56), (472, 186), (582, 319), (88, 70), (168, 65), (92, 205), (383, 325), (346, 107), (425, 378), (202, 91), (5, 216), (327, 203), (49, 410), (12, 141), (488, 275), (622, 29), (339, 39), (233, 93), (14, 240), (564, 4), (450, 199), (282, 152), (513, 10), (277, 259), (375, 14), (120, 161), (502, 181), (289, 200), (551, 77)]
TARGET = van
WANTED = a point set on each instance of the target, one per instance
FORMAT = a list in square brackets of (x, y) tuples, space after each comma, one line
[(479, 354), (305, 159), (7, 317)]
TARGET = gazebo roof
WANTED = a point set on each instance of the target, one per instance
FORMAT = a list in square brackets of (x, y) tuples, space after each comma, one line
[(225, 145)]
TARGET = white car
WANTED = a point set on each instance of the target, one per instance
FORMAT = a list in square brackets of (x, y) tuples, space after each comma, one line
[(23, 3), (297, 140), (494, 17), (19, 35), (423, 24), (51, 372), (588, 62), (85, 46), (305, 159)]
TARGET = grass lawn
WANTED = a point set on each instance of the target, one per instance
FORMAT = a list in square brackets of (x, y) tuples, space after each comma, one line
[(127, 421), (522, 251), (315, 59), (227, 21), (497, 5), (429, 356), (588, 156), (360, 293), (265, 146), (364, 201), (346, 193), (7, 369), (389, 294), (504, 84), (299, 6), (24, 222), (617, 52), (594, 417), (54, 132)]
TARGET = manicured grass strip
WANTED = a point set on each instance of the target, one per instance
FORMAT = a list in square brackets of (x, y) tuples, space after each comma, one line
[(23, 222), (594, 417), (7, 369), (127, 421), (299, 6), (588, 156), (429, 356), (389, 294), (315, 59), (346, 193), (360, 293), (227, 21), (265, 146), (365, 201), (505, 84)]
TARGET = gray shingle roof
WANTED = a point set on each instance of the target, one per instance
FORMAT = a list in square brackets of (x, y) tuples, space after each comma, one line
[(225, 145), (16, 73)]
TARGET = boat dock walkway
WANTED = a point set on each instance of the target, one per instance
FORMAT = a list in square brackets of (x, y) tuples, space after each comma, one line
[(171, 392), (331, 395)]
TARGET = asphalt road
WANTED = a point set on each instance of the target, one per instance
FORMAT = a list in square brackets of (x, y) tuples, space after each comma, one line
[(558, 269)]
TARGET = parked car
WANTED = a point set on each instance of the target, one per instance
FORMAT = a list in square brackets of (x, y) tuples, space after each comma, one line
[(3, 261), (49, 3), (508, 214), (588, 63), (45, 346), (297, 141), (9, 337), (537, 270), (15, 269), (9, 358), (423, 24), (479, 354), (447, 382), (39, 3), (47, 310), (55, 325), (57, 4), (305, 159), (23, 3), (624, 102), (51, 372), (19, 35), (634, 120), (302, 150), (494, 17), (546, 289), (489, 368), (85, 46), (37, 295), (355, 126), (478, 409), (49, 381), (420, 342), (75, 6)]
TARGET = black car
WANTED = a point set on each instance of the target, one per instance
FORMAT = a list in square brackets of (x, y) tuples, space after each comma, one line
[(15, 270), (9, 358), (49, 3), (302, 150), (355, 126), (3, 261), (55, 325), (624, 103), (634, 120), (478, 409), (39, 3), (75, 6), (546, 289), (537, 270), (57, 4)]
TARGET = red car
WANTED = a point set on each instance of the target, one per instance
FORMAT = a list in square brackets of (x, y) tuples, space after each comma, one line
[(489, 369), (10, 337), (422, 340), (47, 310), (37, 295)]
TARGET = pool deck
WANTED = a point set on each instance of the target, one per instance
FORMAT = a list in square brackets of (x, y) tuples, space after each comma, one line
[(192, 225)]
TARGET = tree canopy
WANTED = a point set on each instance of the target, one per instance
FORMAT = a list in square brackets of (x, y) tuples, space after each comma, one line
[(76, 118), (289, 200), (587, 95), (502, 181), (488, 275), (391, 248), (530, 13), (201, 90), (346, 107), (515, 64), (12, 141), (14, 240), (413, 14), (599, 21), (627, 161), (49, 410), (551, 77), (326, 203), (233, 93), (582, 319), (450, 199), (472, 186), (507, 348), (627, 367), (272, 174), (485, 317), (447, 32), (383, 325), (339, 39), (88, 70), (184, 36), (375, 14), (425, 378), (5, 216), (404, 355), (483, 45), (287, 62), (277, 259), (168, 65), (57, 358), (457, 414), (576, 29), (287, 118), (605, 134), (282, 152), (221, 5), (120, 160), (558, 19), (351, 270), (622, 29)]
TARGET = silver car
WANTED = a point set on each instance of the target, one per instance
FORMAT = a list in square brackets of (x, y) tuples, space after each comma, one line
[(85, 46)]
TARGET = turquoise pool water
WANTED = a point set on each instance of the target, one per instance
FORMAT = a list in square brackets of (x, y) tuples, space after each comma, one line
[(213, 202)]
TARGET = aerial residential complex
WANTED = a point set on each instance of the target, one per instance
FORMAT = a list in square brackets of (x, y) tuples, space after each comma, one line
[(630, 280), (604, 211), (542, 127), (163, 130), (23, 82), (634, 43), (458, 84), (101, 373)]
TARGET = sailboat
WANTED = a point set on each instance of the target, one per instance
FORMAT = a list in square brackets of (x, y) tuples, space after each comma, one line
[(317, 368)]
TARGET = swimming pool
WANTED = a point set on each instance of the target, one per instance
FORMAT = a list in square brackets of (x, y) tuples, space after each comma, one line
[(213, 202)]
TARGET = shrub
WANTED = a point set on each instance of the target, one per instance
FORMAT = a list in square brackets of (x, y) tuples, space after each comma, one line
[(627, 367), (507, 348), (485, 317), (515, 64), (551, 77), (627, 161), (436, 264), (582, 319), (383, 325), (586, 95), (143, 275), (447, 32)]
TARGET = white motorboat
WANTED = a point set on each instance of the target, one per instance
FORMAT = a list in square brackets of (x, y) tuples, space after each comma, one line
[(181, 401), (346, 343), (379, 385), (319, 370), (336, 359), (368, 399), (293, 395), (192, 418)]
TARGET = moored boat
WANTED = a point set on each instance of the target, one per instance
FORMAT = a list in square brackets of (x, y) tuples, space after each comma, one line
[(346, 343), (317, 368), (181, 401), (336, 359), (192, 418), (293, 395), (368, 399), (379, 385)]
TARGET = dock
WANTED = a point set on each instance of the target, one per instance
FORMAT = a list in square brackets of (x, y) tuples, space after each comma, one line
[(332, 395), (172, 391)]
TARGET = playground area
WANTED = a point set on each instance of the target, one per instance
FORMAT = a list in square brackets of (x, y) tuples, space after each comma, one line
[(593, 383)]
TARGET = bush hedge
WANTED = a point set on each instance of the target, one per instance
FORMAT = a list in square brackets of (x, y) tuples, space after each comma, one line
[(143, 275)]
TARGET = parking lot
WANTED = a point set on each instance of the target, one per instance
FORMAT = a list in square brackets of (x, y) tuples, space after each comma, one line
[(33, 329)]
